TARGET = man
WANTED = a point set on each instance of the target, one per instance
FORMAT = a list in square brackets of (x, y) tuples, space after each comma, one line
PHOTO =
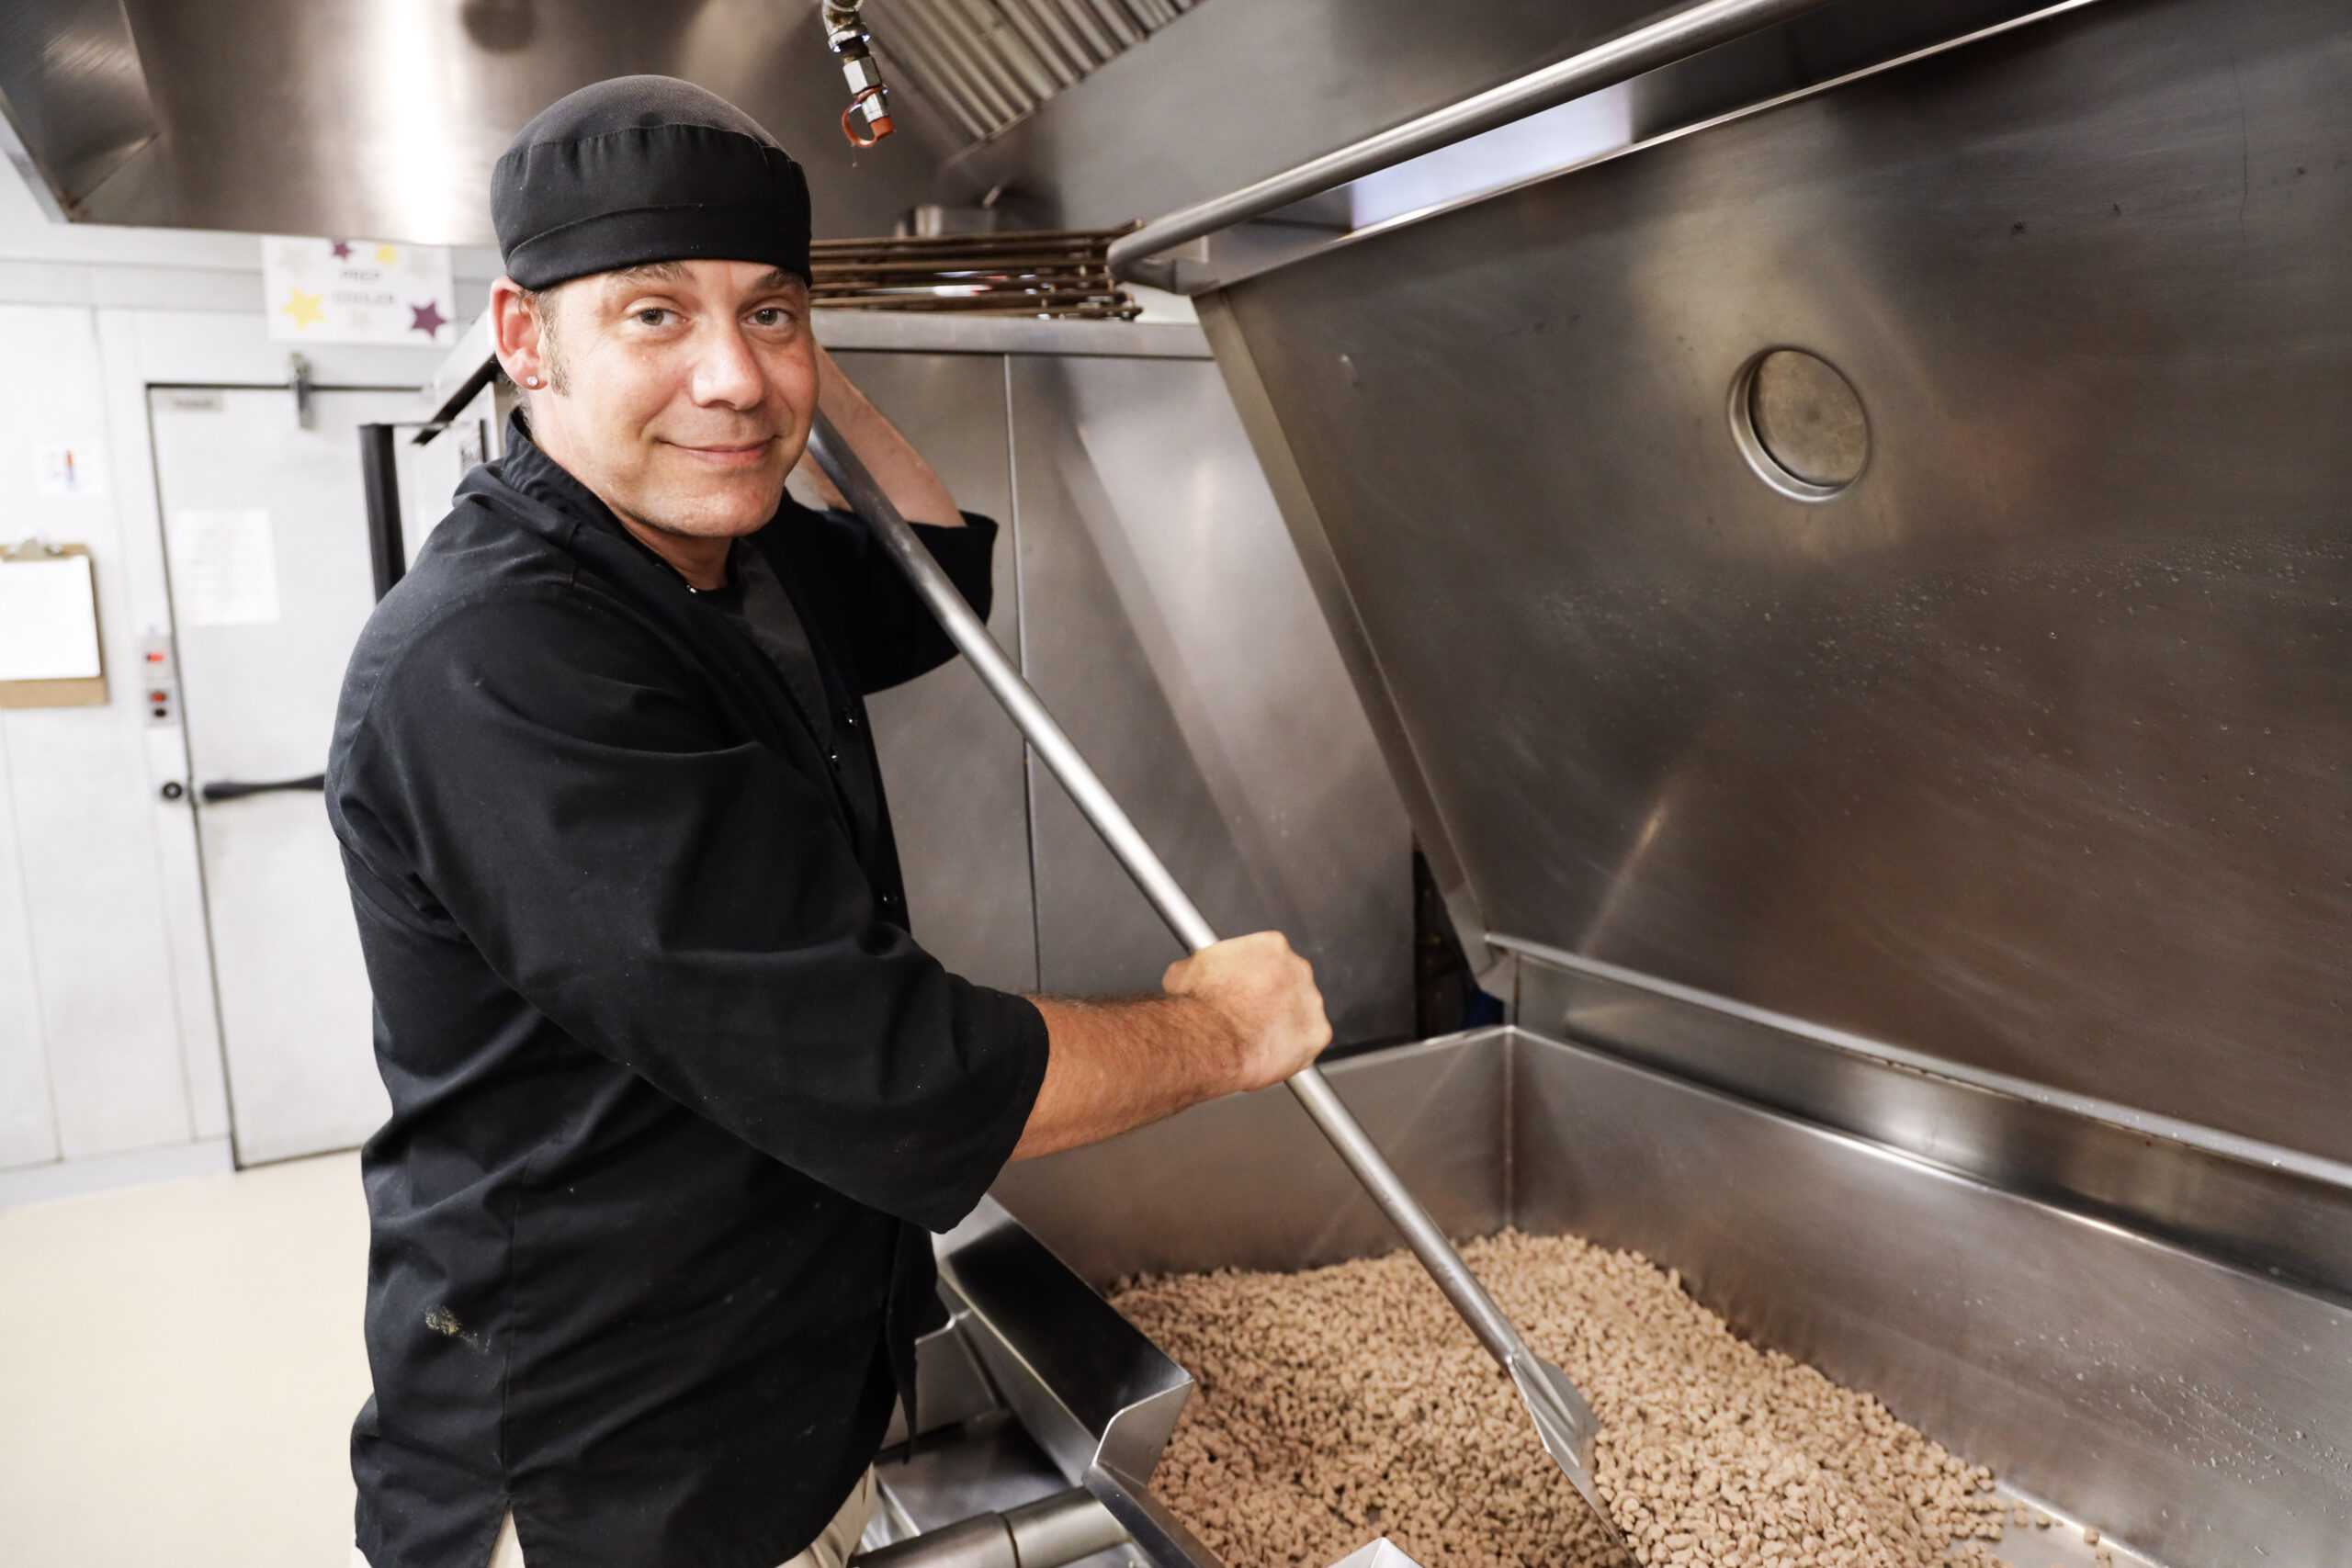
[(675, 1095)]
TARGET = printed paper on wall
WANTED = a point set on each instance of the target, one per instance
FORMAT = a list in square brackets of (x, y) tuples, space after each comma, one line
[(357, 291)]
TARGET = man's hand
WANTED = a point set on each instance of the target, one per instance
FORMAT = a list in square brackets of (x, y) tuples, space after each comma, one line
[(1266, 994), (896, 465), (1238, 1016)]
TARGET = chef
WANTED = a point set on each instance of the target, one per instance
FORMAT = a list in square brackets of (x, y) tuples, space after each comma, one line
[(676, 1099)]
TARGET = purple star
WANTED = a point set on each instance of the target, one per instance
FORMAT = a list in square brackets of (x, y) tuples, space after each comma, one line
[(343, 250), (428, 318)]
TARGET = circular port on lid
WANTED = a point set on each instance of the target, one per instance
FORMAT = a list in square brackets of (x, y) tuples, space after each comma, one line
[(1799, 424)]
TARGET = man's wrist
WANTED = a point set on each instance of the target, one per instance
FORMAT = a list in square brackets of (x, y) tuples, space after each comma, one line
[(1218, 1045)]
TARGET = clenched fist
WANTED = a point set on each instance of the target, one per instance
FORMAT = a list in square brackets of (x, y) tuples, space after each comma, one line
[(1266, 995)]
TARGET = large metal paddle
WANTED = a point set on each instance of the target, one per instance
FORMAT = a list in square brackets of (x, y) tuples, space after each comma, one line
[(1564, 1420)]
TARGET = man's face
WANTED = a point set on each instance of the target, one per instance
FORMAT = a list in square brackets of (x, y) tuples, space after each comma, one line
[(680, 393)]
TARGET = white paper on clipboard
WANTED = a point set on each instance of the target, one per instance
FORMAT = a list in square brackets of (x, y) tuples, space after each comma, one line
[(49, 620)]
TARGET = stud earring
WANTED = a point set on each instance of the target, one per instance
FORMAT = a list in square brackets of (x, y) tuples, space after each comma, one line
[(530, 380)]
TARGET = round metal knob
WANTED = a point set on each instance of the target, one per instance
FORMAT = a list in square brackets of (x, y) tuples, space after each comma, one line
[(1800, 423)]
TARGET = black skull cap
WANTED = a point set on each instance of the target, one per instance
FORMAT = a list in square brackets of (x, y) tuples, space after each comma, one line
[(642, 169)]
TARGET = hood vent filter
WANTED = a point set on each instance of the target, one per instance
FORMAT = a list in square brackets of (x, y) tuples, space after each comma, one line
[(990, 62)]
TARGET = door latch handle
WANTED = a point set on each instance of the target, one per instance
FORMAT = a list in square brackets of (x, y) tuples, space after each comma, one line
[(235, 789)]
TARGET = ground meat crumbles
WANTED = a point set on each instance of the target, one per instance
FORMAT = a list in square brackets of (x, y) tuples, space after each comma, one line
[(1347, 1403)]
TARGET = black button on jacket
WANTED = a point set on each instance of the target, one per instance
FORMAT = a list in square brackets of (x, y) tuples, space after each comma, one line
[(674, 1094)]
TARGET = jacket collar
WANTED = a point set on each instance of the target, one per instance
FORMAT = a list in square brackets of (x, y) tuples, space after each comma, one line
[(534, 491), (563, 504)]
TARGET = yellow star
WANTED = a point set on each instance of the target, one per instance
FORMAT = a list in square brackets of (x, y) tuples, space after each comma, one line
[(387, 255), (304, 308)]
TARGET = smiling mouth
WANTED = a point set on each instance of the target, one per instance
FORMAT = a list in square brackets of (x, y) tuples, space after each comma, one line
[(748, 455)]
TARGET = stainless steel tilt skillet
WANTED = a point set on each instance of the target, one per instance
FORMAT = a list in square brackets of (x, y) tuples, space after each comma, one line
[(1563, 1418)]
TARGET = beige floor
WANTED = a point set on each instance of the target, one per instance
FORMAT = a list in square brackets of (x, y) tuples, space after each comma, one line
[(180, 1365)]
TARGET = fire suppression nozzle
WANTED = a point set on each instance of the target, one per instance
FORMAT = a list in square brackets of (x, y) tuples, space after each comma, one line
[(846, 36)]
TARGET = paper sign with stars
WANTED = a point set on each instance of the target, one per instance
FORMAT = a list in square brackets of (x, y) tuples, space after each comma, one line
[(357, 291)]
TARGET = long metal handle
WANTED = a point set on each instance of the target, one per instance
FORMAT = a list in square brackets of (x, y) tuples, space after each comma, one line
[(215, 791), (1662, 42), (1339, 1125)]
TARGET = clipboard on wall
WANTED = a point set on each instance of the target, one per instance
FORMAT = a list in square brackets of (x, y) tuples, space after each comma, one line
[(51, 653)]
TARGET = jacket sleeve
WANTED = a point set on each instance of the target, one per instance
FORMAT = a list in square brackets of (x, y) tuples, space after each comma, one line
[(891, 634), (539, 771)]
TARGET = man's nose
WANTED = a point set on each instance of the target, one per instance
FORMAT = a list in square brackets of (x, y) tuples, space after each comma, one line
[(727, 373)]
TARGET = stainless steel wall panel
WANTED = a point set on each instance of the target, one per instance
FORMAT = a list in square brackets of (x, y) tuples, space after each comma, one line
[(1096, 934), (951, 760), (1170, 627), (1349, 636), (2201, 1413), (2026, 752), (1145, 581), (2255, 1205), (1249, 1183)]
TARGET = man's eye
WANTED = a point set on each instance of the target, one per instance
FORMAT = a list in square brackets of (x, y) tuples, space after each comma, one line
[(653, 315), (771, 316)]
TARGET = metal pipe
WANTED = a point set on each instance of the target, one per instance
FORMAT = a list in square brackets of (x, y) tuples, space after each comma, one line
[(1561, 1417), (380, 483), (1062, 1528), (980, 1541), (1662, 42), (1049, 1533)]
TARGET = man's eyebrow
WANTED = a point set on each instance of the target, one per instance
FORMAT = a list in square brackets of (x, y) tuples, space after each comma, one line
[(777, 277), (651, 272)]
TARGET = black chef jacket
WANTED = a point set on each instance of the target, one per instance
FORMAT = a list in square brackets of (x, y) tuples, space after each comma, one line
[(674, 1094)]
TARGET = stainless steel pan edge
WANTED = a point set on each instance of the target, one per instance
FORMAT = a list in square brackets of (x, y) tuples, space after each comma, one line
[(1097, 1396), (2196, 1410)]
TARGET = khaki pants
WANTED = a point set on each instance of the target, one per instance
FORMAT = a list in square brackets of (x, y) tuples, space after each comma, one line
[(831, 1549)]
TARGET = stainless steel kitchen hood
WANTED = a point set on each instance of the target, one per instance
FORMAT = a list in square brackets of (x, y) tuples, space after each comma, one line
[(382, 118)]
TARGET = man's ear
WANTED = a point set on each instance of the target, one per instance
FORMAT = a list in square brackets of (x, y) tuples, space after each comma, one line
[(518, 336)]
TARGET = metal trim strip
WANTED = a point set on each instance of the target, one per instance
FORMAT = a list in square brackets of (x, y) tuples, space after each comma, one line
[(2207, 1140), (924, 332), (1257, 262), (1666, 41)]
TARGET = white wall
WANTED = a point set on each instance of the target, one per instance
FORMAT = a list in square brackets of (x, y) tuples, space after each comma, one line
[(109, 1056)]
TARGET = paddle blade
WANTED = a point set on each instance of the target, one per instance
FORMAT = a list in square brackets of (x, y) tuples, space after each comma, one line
[(1565, 1424)]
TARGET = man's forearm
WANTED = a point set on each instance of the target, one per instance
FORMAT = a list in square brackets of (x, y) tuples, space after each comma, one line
[(889, 457), (1120, 1063)]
